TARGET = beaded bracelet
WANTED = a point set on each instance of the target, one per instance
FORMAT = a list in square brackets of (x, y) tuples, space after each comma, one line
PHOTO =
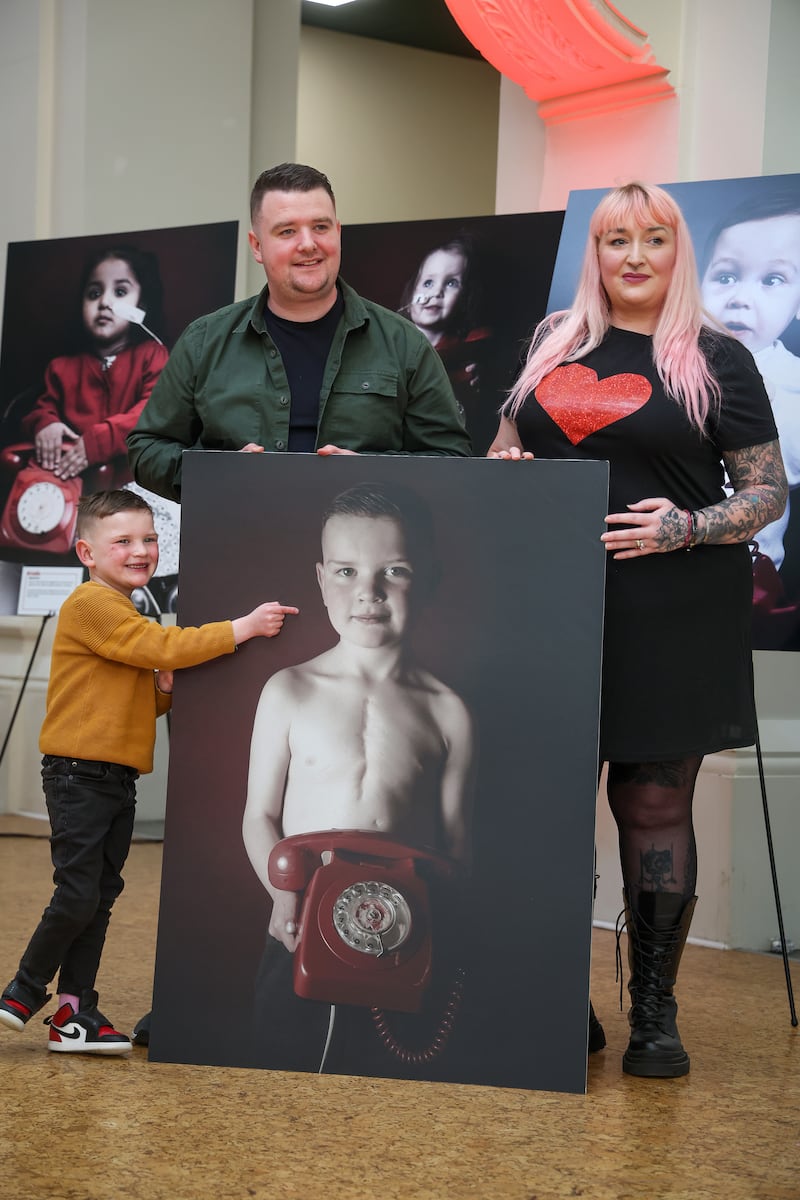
[(690, 530)]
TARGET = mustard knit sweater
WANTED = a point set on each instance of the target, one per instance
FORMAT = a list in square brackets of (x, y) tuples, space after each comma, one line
[(102, 700)]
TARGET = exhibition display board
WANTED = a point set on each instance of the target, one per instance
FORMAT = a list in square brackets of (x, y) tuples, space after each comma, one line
[(459, 720)]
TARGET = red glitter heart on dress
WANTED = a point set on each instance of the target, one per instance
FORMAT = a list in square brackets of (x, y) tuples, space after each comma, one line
[(581, 404)]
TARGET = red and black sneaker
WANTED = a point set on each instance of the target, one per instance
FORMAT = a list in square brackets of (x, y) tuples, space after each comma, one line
[(86, 1031), (18, 1004)]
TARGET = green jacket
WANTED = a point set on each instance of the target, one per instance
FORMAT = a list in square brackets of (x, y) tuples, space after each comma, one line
[(384, 391)]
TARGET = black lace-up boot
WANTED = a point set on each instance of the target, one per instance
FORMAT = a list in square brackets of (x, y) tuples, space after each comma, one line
[(657, 927), (597, 1037)]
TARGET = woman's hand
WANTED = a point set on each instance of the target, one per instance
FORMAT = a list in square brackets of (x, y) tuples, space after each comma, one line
[(656, 526), (652, 526), (507, 444)]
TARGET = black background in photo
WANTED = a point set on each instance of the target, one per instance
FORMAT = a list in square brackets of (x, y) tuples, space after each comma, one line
[(513, 265), (514, 627)]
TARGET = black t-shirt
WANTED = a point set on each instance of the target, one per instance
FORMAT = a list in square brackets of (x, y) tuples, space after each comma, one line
[(676, 642), (612, 406), (304, 347)]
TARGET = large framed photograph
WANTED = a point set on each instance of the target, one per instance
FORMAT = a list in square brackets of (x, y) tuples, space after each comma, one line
[(475, 287), (379, 837), (88, 324), (746, 235)]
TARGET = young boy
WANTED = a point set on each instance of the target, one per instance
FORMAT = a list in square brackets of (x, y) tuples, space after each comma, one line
[(751, 285), (110, 677), (360, 737)]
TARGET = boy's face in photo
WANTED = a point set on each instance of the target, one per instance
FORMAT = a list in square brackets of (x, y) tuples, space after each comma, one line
[(752, 282), (366, 579), (120, 551)]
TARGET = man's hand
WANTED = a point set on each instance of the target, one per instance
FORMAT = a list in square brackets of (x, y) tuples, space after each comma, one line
[(329, 449), (283, 921)]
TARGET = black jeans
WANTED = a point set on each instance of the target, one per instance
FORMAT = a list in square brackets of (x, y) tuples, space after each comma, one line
[(91, 807)]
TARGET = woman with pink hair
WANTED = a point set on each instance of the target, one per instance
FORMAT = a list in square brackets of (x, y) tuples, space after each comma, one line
[(632, 375)]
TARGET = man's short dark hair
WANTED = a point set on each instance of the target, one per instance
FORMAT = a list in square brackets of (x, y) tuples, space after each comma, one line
[(397, 503), (287, 177), (107, 504)]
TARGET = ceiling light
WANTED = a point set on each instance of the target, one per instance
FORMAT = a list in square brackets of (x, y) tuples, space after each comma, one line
[(331, 3)]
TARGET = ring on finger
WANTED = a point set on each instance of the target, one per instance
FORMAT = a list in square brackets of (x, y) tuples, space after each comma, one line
[(639, 544)]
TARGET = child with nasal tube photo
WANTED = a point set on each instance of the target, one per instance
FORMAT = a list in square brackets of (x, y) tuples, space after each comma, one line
[(358, 812), (92, 399), (72, 438), (442, 298)]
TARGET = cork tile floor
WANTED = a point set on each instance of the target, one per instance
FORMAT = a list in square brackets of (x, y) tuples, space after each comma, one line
[(77, 1128)]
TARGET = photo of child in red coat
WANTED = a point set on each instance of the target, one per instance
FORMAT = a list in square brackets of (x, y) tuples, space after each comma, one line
[(92, 400)]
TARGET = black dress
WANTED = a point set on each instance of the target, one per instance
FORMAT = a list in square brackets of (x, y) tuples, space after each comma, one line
[(677, 663)]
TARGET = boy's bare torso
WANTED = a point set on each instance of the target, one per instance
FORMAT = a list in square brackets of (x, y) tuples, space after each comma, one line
[(365, 753)]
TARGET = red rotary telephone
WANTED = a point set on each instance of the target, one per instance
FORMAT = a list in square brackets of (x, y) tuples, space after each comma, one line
[(41, 511), (365, 921)]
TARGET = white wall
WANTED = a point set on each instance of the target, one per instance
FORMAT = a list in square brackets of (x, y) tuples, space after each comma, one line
[(402, 134), (521, 146), (782, 128), (733, 65)]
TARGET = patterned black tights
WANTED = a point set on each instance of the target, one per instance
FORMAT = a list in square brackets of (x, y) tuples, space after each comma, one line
[(652, 806)]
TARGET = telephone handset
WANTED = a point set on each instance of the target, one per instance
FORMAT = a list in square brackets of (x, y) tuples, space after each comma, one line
[(366, 917)]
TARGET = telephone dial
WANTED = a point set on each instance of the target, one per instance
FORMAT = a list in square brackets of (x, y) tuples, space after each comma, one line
[(366, 916), (40, 512)]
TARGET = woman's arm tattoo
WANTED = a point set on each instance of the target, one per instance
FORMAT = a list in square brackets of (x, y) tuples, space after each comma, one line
[(760, 493)]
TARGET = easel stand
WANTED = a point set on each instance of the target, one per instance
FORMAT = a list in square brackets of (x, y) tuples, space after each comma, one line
[(45, 619), (778, 908)]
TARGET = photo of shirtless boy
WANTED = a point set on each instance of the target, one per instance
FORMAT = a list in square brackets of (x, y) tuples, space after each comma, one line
[(360, 737)]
